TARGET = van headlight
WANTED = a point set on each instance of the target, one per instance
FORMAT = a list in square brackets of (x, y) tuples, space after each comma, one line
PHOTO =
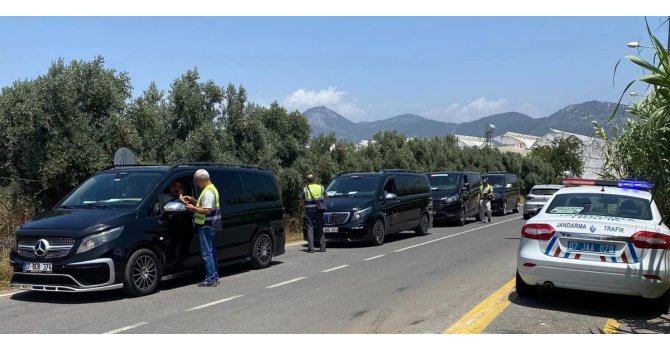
[(450, 199), (360, 214), (98, 239)]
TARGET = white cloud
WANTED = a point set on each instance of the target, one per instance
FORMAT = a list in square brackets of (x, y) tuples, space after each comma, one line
[(457, 113), (330, 97)]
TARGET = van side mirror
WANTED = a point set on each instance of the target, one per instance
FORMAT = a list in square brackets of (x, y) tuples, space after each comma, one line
[(508, 186), (466, 187), (390, 196), (174, 207)]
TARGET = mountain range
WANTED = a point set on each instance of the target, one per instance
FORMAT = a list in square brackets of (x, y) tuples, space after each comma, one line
[(575, 118)]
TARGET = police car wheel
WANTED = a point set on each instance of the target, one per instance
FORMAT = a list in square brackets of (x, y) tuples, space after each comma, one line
[(142, 273), (424, 223), (378, 231), (524, 290), (261, 255)]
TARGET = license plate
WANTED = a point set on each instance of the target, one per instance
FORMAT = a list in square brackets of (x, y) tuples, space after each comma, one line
[(37, 267), (592, 247), (330, 229)]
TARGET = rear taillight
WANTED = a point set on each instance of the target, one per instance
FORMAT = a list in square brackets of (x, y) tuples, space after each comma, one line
[(540, 232), (650, 240)]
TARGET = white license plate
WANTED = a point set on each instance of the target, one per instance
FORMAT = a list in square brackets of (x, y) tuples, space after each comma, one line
[(330, 229), (37, 267)]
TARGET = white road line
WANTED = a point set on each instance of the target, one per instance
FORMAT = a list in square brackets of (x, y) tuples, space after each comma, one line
[(8, 294), (454, 235), (287, 282), (126, 328), (335, 268), (374, 257), (296, 243), (213, 303)]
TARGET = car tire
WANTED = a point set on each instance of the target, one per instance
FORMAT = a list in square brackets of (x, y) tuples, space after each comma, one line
[(461, 217), (503, 211), (524, 290), (142, 273), (516, 207), (378, 233), (424, 225), (526, 216), (262, 251)]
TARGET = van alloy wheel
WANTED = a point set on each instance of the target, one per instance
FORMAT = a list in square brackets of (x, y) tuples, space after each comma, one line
[(378, 233), (262, 251), (144, 272), (424, 225)]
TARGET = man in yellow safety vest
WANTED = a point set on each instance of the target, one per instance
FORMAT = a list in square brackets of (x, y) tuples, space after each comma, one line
[(314, 194), (207, 220)]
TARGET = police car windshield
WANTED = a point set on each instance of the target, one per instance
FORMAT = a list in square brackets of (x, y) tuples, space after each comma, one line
[(443, 182), (116, 189), (601, 204), (353, 186)]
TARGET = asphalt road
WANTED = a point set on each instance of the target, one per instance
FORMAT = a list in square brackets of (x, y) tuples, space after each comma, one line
[(409, 285)]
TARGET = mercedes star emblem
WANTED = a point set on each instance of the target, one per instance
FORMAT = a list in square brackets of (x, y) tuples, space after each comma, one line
[(41, 247)]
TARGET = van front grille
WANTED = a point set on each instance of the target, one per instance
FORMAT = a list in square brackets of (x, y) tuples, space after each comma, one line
[(57, 247), (335, 218)]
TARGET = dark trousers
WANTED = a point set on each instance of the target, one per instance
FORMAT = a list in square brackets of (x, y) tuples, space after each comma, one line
[(314, 225)]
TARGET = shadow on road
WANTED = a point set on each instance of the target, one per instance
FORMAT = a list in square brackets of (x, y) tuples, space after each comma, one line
[(190, 278), (396, 237), (636, 315)]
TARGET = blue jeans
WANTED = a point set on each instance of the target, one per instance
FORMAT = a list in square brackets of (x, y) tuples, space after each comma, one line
[(208, 251)]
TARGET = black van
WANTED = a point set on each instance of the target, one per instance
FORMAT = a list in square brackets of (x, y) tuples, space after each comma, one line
[(506, 192), (121, 229), (368, 206), (455, 195)]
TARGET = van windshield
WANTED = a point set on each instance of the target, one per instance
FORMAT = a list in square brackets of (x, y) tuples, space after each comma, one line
[(118, 189), (444, 182), (353, 186), (496, 181)]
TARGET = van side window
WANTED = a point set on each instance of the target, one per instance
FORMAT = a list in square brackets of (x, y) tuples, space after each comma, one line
[(404, 186), (259, 188), (420, 185), (230, 188), (390, 187)]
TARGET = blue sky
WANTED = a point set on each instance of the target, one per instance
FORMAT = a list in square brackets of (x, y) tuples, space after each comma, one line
[(366, 68)]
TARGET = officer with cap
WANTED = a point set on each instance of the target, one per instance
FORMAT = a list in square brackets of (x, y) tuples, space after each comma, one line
[(314, 194)]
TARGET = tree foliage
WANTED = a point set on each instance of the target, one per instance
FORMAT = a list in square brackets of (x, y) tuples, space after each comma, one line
[(564, 155), (64, 126), (642, 149)]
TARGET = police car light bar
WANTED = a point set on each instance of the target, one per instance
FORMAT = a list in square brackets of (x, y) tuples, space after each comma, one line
[(632, 184)]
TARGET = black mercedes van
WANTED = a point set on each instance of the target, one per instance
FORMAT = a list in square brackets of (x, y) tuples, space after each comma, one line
[(368, 206), (506, 192), (121, 228), (455, 195)]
